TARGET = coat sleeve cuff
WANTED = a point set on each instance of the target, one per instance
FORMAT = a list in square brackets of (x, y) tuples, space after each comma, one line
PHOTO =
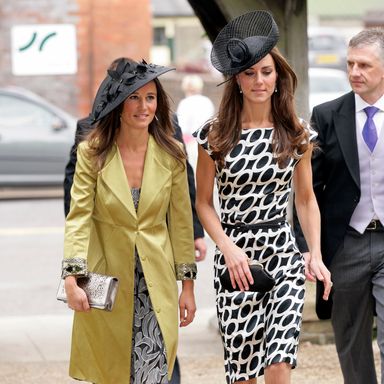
[(186, 271), (74, 267)]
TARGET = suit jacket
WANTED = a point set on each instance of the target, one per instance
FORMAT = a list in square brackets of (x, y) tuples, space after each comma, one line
[(82, 129), (104, 228), (336, 174)]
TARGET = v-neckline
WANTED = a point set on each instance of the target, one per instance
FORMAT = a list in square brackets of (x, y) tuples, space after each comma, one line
[(125, 173)]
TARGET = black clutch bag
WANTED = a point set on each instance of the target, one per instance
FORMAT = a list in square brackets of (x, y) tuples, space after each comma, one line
[(262, 280), (100, 289), (323, 308)]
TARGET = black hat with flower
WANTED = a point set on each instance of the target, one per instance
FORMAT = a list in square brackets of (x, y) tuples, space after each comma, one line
[(121, 82), (244, 41)]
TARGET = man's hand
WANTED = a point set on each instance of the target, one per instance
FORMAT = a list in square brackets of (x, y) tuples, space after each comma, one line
[(200, 249)]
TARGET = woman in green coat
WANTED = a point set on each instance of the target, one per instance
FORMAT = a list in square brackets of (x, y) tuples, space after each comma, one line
[(130, 217)]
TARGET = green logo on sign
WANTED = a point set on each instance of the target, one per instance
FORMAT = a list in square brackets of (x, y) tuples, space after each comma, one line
[(33, 39)]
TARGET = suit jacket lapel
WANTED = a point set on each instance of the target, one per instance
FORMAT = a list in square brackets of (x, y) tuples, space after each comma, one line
[(113, 175), (155, 175), (345, 127)]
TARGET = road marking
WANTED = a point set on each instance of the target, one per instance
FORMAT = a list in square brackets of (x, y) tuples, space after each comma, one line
[(31, 231)]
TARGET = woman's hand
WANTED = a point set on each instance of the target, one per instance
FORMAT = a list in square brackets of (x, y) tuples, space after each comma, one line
[(76, 297), (238, 268), (317, 269), (187, 305), (309, 275)]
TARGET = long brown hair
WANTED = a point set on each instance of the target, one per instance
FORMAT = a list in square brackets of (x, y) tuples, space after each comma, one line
[(102, 138), (290, 136)]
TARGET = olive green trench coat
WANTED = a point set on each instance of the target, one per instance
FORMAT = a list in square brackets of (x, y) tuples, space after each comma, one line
[(103, 229)]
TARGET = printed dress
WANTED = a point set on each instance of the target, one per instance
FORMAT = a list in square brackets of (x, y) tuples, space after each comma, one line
[(258, 329), (149, 360)]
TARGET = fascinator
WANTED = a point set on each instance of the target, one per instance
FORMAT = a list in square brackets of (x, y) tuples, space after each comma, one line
[(126, 78), (244, 41)]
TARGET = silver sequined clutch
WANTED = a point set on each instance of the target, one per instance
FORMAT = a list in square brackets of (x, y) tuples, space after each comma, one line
[(100, 289)]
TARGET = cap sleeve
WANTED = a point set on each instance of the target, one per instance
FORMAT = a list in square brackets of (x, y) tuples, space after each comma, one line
[(201, 136), (312, 134)]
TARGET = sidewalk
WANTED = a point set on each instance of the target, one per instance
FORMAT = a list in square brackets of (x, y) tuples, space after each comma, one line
[(35, 350), (35, 334)]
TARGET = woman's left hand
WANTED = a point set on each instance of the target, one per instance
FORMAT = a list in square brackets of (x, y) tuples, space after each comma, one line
[(308, 272), (187, 305), (320, 271)]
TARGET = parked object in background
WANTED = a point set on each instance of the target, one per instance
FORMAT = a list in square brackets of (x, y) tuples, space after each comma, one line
[(35, 139), (326, 84), (326, 48)]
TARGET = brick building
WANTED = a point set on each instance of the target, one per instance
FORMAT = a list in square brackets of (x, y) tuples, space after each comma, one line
[(104, 30)]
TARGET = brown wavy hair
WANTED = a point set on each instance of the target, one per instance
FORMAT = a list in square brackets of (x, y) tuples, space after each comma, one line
[(290, 136), (102, 137)]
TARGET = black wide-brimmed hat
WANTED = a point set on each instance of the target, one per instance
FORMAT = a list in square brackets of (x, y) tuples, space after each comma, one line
[(121, 82), (244, 41)]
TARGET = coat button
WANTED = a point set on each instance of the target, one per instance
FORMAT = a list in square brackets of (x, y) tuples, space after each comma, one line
[(158, 310), (143, 258), (150, 284)]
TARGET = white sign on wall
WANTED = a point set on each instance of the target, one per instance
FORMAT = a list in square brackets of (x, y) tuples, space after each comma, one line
[(44, 49)]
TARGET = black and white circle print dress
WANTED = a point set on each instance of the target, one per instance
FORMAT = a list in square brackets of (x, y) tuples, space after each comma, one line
[(258, 329)]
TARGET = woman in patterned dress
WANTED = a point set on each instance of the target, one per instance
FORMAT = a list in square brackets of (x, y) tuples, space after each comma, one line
[(254, 149), (130, 217)]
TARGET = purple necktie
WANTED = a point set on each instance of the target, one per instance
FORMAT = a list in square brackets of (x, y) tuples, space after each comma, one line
[(369, 130)]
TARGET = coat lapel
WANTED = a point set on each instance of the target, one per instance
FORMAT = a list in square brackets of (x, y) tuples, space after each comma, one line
[(345, 127), (156, 174), (113, 175)]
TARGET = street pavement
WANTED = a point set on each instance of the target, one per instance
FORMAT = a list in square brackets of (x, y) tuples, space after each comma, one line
[(35, 329), (42, 342)]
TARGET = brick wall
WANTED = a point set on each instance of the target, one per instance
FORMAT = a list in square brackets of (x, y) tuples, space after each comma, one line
[(59, 89), (105, 30)]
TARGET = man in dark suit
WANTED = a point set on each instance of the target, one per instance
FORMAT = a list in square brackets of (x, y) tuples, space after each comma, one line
[(83, 127), (348, 179)]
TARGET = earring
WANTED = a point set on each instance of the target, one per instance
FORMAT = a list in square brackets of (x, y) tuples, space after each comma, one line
[(156, 118), (276, 90)]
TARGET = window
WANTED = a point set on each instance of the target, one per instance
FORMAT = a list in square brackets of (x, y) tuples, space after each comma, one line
[(159, 37)]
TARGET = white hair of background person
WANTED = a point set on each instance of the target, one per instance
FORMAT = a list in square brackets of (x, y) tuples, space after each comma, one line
[(195, 109)]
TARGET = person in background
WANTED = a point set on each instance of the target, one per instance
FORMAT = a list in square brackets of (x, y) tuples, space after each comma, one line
[(130, 217), (348, 179), (254, 149), (194, 109)]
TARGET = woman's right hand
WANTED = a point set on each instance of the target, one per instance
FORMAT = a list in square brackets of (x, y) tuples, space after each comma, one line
[(238, 268), (76, 297)]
